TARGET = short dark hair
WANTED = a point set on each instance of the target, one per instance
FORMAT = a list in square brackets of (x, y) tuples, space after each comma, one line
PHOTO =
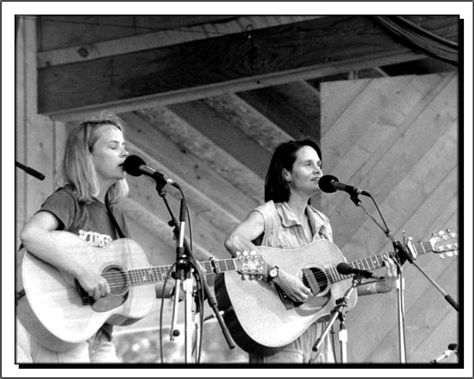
[(276, 188)]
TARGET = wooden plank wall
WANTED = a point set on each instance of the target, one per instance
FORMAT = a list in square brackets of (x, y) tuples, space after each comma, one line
[(398, 139), (39, 141)]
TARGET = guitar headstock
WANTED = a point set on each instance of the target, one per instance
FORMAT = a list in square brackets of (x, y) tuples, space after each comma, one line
[(250, 264), (445, 243)]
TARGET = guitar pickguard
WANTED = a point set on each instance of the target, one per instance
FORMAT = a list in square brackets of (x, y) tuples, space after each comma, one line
[(119, 287)]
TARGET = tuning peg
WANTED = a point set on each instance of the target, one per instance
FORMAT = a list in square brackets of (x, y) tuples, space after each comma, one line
[(451, 233)]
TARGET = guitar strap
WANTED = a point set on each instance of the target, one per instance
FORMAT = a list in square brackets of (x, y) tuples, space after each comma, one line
[(111, 215)]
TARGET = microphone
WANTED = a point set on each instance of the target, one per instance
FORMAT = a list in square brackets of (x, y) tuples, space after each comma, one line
[(329, 184), (31, 171), (136, 166), (452, 348), (347, 269)]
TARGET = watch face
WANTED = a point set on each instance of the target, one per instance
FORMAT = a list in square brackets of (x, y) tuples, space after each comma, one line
[(273, 273)]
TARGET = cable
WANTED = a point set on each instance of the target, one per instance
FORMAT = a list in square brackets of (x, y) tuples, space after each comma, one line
[(421, 39), (161, 313), (189, 220)]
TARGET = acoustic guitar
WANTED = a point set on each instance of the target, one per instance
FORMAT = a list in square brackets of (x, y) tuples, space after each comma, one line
[(59, 314), (262, 319)]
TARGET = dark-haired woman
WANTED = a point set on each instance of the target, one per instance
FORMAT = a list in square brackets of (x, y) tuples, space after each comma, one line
[(287, 220)]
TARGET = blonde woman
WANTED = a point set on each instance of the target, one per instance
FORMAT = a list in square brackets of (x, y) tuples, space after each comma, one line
[(77, 217)]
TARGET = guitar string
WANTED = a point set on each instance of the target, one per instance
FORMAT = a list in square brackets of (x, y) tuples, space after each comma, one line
[(116, 279), (143, 276)]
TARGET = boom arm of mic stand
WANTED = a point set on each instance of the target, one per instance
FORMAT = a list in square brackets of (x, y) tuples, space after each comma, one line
[(210, 298), (400, 281), (409, 255)]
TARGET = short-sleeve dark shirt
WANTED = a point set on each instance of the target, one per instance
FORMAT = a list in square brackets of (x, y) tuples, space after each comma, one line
[(90, 221)]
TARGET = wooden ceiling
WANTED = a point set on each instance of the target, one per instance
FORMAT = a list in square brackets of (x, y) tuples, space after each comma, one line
[(208, 98)]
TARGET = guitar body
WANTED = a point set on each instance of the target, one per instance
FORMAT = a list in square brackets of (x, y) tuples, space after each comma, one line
[(56, 314), (259, 319)]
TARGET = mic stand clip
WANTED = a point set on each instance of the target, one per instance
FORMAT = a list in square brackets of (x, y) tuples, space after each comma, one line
[(339, 311)]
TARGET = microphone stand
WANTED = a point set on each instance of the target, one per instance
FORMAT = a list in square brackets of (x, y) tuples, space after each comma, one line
[(400, 284), (185, 260), (402, 253), (182, 275), (339, 311)]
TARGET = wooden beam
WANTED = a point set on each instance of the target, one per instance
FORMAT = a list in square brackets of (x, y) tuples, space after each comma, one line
[(147, 37), (59, 32), (217, 159), (224, 134), (251, 122), (232, 63), (187, 168), (155, 236), (294, 107), (200, 203)]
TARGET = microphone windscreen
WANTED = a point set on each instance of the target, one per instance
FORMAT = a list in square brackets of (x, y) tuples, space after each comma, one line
[(344, 268), (325, 183), (132, 164)]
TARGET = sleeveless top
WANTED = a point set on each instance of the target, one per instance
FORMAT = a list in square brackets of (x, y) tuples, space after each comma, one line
[(283, 230)]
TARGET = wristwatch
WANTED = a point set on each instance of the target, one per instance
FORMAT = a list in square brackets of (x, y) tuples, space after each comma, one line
[(272, 273)]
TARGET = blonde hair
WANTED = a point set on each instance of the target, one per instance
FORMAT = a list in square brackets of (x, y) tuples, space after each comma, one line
[(78, 169)]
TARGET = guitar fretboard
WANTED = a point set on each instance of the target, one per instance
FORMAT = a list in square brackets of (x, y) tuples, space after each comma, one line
[(372, 263), (150, 275), (218, 266)]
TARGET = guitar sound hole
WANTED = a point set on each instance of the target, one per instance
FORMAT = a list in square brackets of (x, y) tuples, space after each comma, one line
[(117, 279), (315, 279)]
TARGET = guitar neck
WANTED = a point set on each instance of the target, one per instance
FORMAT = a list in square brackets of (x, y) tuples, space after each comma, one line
[(373, 263), (151, 275)]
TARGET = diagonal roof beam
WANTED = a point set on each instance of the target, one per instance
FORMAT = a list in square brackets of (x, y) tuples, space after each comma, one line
[(199, 69)]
